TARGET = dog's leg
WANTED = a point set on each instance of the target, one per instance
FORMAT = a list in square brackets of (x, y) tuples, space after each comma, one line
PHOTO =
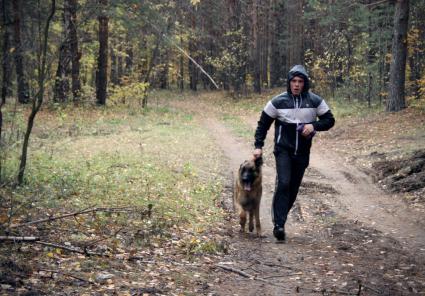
[(251, 220), (257, 221), (242, 220)]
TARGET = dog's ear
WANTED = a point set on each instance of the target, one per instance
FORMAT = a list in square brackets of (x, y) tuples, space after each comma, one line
[(242, 166), (258, 162)]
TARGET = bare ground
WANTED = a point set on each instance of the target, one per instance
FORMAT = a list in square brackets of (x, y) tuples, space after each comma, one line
[(345, 235)]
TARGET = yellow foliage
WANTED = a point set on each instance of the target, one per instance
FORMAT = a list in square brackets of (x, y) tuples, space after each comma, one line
[(414, 41), (421, 83), (129, 93)]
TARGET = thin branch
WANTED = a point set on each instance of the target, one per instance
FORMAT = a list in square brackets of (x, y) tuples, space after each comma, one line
[(244, 274), (103, 238), (19, 238), (52, 218), (68, 275), (193, 61), (240, 272), (323, 291), (140, 259), (372, 289), (277, 265), (282, 275), (70, 249), (37, 102), (376, 3)]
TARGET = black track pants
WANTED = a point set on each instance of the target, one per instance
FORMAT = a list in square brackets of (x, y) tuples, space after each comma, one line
[(290, 171)]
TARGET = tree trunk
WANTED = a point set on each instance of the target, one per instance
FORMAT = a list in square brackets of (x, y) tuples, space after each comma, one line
[(296, 33), (256, 58), (181, 68), (416, 53), (23, 88), (75, 53), (64, 63), (102, 62), (129, 60), (370, 59), (278, 52), (36, 103), (381, 66), (237, 46), (193, 70), (6, 61), (163, 76), (120, 62), (415, 74), (6, 67), (61, 80), (114, 71), (348, 39), (153, 59), (396, 99), (265, 44)]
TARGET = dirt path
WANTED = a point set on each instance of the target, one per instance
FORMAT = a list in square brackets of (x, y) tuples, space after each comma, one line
[(359, 199), (343, 235)]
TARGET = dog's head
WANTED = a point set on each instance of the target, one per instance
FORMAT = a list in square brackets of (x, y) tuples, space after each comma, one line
[(249, 172)]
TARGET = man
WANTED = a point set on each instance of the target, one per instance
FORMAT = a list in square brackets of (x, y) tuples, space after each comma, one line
[(295, 115)]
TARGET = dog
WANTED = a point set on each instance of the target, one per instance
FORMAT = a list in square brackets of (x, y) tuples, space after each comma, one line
[(247, 194)]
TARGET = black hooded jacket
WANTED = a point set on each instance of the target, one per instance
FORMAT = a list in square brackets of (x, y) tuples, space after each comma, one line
[(289, 111)]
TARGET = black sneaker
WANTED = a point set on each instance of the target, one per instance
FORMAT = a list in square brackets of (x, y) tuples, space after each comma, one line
[(279, 233)]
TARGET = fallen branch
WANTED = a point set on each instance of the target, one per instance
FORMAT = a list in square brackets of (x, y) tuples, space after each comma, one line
[(68, 275), (53, 218), (83, 252), (240, 272), (323, 291), (277, 265), (252, 277), (282, 275), (19, 238), (372, 289), (140, 259)]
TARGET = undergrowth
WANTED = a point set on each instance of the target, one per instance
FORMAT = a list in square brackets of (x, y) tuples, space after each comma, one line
[(116, 157)]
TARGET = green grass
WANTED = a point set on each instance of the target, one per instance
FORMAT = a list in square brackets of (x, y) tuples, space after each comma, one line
[(238, 126), (341, 108), (117, 158)]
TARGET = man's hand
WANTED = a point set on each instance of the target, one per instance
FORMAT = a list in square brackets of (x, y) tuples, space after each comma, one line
[(257, 153), (308, 129)]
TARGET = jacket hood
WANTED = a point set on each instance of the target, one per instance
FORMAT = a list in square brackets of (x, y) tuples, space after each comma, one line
[(298, 70)]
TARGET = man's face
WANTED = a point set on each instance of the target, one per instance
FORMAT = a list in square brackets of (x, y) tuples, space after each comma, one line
[(297, 85)]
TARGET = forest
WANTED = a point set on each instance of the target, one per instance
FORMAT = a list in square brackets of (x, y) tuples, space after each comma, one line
[(101, 103), (95, 49)]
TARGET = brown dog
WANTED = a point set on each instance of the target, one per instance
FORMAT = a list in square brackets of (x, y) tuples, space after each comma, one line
[(247, 195)]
